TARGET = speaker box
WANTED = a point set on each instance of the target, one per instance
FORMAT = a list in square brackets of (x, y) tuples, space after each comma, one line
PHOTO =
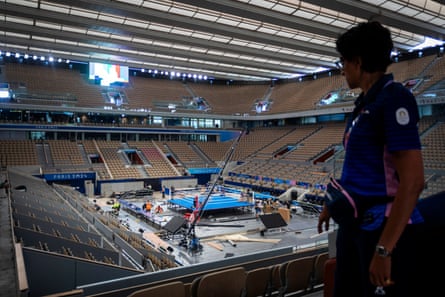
[(273, 220), (175, 224)]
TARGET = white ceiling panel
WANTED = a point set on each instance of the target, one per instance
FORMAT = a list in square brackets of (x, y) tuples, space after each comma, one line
[(245, 39)]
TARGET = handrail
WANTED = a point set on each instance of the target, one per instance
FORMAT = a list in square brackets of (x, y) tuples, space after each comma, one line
[(21, 269)]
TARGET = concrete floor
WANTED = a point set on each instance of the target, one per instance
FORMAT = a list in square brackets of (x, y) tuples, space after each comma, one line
[(229, 233)]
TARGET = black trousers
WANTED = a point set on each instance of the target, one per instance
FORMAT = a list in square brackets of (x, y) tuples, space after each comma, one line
[(418, 261)]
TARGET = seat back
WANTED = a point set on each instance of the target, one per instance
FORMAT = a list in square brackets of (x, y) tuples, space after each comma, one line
[(225, 283), (298, 274), (188, 289), (194, 286), (318, 270), (172, 289), (276, 281), (258, 282)]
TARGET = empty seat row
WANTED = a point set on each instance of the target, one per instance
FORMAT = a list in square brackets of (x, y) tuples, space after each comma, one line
[(296, 276)]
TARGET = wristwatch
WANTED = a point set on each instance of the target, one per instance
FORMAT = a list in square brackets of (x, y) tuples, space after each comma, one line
[(382, 251)]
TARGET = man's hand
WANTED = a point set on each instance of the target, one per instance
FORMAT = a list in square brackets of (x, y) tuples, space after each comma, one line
[(323, 219)]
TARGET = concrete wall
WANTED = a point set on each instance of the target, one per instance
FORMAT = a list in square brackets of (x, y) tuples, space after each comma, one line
[(106, 189)]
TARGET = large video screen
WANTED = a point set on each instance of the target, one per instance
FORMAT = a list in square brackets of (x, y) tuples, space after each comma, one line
[(108, 73)]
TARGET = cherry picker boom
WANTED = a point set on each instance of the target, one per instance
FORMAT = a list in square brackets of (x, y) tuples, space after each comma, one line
[(191, 240)]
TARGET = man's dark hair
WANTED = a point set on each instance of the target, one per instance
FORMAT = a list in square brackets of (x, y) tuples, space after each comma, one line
[(369, 41)]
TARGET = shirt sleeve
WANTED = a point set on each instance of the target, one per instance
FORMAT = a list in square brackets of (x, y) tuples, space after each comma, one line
[(401, 118)]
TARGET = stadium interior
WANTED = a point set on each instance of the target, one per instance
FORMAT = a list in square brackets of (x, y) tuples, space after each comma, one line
[(185, 129)]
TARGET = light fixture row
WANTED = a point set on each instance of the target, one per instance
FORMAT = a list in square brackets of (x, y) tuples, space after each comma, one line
[(51, 59)]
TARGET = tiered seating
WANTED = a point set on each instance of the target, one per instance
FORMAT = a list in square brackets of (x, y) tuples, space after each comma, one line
[(435, 74), (317, 143), (143, 92), (66, 84), (410, 69), (294, 166), (44, 221), (187, 156), (117, 168), (18, 152), (257, 139), (427, 122), (434, 147), (299, 96), (158, 260), (230, 99), (301, 173), (65, 152), (160, 166), (91, 149), (318, 174), (292, 138), (434, 185), (216, 151)]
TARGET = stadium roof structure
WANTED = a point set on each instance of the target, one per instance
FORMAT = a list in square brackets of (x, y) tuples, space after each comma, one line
[(246, 40)]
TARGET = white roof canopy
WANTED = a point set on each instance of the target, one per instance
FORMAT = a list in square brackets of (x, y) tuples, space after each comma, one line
[(239, 40)]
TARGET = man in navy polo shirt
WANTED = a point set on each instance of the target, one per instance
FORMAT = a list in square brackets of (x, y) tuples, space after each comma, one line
[(382, 171)]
